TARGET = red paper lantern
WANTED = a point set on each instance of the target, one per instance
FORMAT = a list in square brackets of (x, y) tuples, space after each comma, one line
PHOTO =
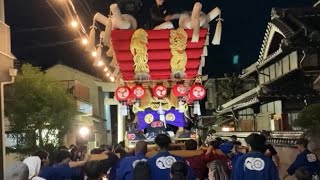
[(159, 91), (180, 90), (197, 92), (138, 92), (122, 93)]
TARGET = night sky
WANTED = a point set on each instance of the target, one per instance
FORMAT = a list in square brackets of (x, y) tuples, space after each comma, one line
[(243, 29)]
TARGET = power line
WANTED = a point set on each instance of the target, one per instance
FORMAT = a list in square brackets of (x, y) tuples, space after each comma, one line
[(54, 10), (52, 44), (38, 29)]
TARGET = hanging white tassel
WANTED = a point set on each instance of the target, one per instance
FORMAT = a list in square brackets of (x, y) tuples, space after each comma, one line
[(200, 70), (206, 43), (107, 33), (217, 35), (203, 61), (92, 38), (98, 57), (110, 52), (181, 107), (161, 116), (205, 51), (196, 109), (123, 110)]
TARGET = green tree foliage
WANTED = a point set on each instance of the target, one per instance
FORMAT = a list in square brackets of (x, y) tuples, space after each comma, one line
[(309, 118), (38, 105)]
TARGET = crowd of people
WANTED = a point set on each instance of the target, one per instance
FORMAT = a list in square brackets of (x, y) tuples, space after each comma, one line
[(220, 160)]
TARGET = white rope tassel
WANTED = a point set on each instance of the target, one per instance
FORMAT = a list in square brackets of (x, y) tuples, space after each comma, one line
[(123, 110), (162, 117), (92, 38), (206, 43), (98, 58), (217, 35), (195, 21), (205, 51), (203, 61), (181, 108), (107, 33), (196, 109)]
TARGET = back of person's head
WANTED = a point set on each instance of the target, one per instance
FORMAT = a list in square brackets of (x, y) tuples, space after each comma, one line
[(256, 142), (179, 171), (141, 147), (63, 148), (162, 141), (110, 162), (302, 174), (96, 151), (302, 142), (93, 170), (234, 137), (218, 139), (237, 143), (43, 155), (265, 133), (191, 144), (62, 155), (105, 147), (72, 146), (17, 171), (226, 148), (141, 171), (215, 144), (121, 151)]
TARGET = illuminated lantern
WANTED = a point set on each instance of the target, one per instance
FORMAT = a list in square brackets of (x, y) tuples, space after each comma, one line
[(180, 90), (122, 95), (138, 92), (159, 91), (197, 92)]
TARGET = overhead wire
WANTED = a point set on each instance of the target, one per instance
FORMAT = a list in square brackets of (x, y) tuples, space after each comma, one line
[(38, 29), (55, 11), (54, 44)]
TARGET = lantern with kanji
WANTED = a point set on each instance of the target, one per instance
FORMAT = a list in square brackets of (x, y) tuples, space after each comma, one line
[(197, 92), (138, 93), (123, 94), (180, 90)]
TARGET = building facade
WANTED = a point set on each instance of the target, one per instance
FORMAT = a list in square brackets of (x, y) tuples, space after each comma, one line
[(286, 75), (90, 102), (6, 63)]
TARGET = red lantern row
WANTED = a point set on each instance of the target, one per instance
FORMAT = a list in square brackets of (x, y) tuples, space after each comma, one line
[(196, 92)]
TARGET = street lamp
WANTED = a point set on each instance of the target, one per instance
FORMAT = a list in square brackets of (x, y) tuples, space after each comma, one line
[(84, 132)]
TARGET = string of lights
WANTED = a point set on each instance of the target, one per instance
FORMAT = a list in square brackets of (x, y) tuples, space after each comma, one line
[(76, 23)]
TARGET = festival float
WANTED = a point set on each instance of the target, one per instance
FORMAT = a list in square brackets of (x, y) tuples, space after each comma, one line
[(158, 71)]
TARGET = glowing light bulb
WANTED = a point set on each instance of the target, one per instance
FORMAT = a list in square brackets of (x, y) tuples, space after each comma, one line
[(108, 74), (74, 24), (105, 69), (112, 79), (94, 53), (100, 63), (84, 41)]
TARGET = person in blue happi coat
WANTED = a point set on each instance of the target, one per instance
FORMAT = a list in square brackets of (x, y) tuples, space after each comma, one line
[(127, 164), (161, 163), (305, 159), (255, 165)]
